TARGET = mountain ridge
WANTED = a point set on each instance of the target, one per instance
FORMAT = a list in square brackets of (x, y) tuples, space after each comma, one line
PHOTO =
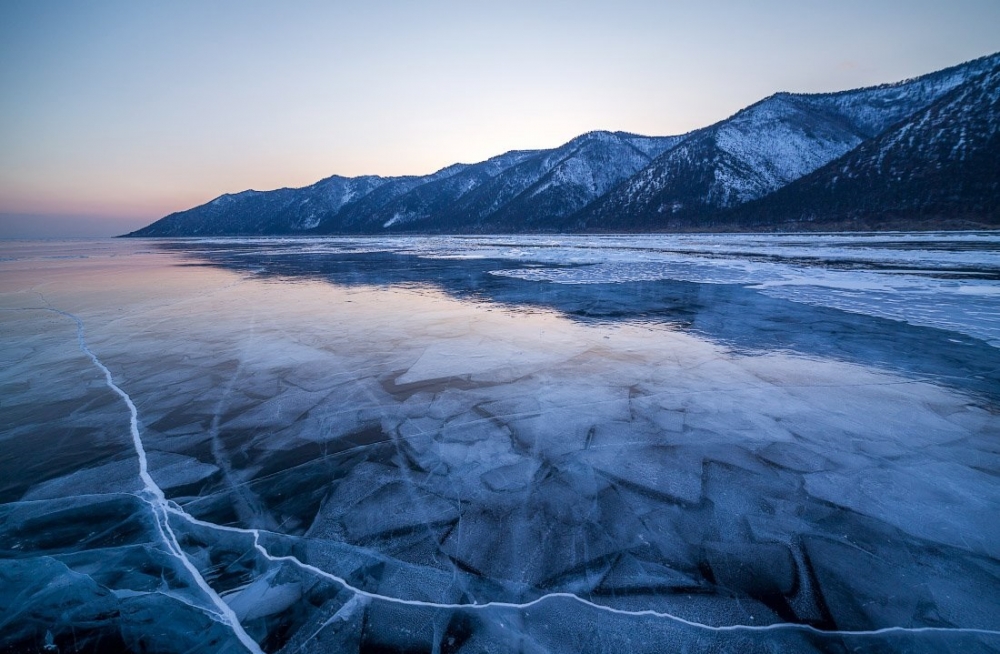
[(733, 174)]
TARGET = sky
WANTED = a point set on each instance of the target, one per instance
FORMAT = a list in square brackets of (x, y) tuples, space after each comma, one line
[(116, 113)]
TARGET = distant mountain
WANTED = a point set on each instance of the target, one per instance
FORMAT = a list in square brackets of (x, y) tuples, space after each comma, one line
[(510, 191), (554, 184), (283, 211), (918, 153)]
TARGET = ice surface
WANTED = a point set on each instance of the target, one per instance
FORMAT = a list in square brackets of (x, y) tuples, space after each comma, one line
[(918, 499), (501, 444), (455, 357)]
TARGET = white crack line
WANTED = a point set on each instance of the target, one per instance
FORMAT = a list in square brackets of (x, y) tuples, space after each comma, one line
[(153, 495), (161, 507), (514, 606)]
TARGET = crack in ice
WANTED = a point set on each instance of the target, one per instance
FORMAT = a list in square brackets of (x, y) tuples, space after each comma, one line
[(521, 606), (153, 495)]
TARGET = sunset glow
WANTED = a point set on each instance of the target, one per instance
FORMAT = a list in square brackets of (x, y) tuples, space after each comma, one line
[(115, 113)]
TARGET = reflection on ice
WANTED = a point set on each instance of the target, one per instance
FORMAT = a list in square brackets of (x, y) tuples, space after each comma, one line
[(369, 451)]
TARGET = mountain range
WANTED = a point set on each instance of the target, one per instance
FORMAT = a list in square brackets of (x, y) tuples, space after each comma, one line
[(923, 153)]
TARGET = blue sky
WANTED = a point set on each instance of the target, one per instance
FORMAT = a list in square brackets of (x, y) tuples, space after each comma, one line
[(115, 113)]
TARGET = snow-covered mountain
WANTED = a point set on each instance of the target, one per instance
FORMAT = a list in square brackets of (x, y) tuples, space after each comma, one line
[(511, 189), (940, 165), (555, 183), (620, 181), (764, 148)]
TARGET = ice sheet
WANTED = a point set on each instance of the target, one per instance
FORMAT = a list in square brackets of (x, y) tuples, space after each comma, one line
[(353, 445)]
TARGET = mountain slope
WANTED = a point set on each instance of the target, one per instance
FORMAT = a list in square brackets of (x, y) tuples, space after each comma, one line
[(282, 211), (555, 184), (420, 198), (290, 211), (941, 165), (745, 157), (500, 192), (461, 197), (761, 149)]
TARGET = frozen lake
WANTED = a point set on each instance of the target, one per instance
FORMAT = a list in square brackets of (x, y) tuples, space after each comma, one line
[(501, 444)]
